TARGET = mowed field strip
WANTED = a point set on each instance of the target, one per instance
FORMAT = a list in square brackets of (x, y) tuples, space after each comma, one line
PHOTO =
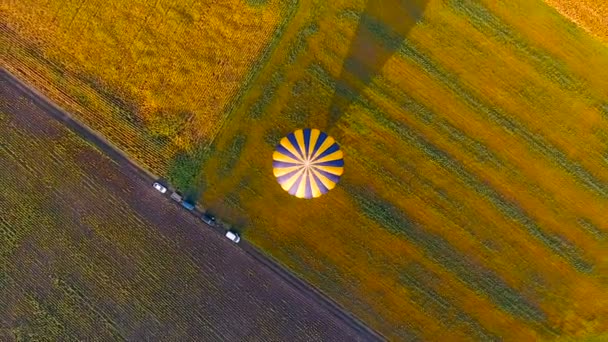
[(90, 250), (474, 201)]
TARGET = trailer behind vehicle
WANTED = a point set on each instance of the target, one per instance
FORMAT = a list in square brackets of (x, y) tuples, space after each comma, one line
[(176, 197)]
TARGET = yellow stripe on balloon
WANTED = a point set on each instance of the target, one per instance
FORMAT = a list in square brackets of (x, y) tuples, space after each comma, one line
[(326, 181), (326, 144), (316, 192), (336, 170), (291, 181), (299, 134), (330, 157), (302, 187), (289, 147), (278, 156), (314, 136), (281, 171)]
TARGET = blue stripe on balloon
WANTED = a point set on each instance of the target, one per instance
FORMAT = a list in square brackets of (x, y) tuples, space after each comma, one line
[(333, 148), (337, 163), (284, 151), (281, 164), (284, 178), (330, 176), (294, 142), (320, 140), (307, 132), (294, 188), (320, 184)]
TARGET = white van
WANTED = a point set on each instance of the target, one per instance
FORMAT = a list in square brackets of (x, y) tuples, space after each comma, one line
[(233, 236)]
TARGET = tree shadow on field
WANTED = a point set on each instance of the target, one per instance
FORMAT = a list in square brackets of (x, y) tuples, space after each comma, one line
[(382, 27)]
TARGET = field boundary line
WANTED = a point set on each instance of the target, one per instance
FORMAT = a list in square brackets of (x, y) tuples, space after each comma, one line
[(96, 140), (255, 70)]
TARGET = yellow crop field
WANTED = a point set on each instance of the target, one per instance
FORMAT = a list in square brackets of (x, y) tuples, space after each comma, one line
[(590, 14), (473, 204), (156, 76)]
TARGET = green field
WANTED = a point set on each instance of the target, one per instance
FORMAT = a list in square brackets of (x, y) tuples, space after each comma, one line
[(473, 202)]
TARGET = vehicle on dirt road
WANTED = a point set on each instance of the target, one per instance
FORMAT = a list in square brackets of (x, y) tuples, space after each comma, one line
[(233, 236), (162, 189), (176, 197), (209, 219), (188, 205)]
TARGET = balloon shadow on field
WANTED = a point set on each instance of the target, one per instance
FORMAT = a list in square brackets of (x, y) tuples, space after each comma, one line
[(382, 27)]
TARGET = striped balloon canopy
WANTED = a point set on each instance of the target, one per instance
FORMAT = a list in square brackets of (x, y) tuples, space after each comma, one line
[(308, 163)]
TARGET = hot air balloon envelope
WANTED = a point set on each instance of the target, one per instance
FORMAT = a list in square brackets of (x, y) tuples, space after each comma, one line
[(308, 163)]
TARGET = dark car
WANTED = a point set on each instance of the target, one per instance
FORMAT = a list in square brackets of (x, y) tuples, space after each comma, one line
[(208, 219)]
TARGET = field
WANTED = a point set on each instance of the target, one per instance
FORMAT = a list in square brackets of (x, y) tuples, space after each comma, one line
[(155, 76), (88, 250), (473, 202), (590, 14)]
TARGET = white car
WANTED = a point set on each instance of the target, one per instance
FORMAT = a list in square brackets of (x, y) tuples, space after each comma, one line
[(159, 187), (233, 236)]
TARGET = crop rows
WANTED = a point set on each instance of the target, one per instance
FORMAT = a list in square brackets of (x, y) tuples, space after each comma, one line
[(155, 78), (475, 176), (558, 245), (89, 249), (440, 171)]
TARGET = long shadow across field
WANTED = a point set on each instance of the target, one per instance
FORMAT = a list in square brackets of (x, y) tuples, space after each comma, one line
[(382, 27)]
